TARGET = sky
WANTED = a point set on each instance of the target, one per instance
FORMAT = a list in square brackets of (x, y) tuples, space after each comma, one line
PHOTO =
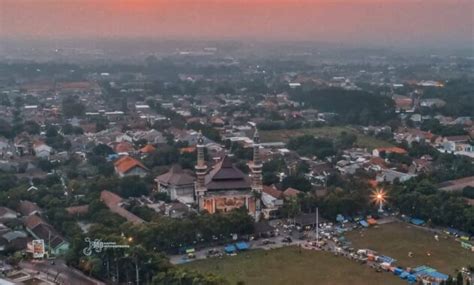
[(389, 22)]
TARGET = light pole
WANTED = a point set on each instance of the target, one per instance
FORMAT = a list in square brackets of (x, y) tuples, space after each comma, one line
[(379, 197)]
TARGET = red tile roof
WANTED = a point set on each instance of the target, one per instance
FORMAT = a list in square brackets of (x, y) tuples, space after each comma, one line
[(272, 191), (124, 147), (112, 201), (148, 149), (27, 208), (78, 210), (392, 150), (189, 149), (127, 163), (291, 192)]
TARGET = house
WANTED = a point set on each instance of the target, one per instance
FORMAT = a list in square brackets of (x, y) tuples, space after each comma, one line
[(272, 199), (7, 214), (147, 149), (114, 203), (39, 229), (388, 150), (123, 138), (178, 184), (124, 147), (27, 208), (291, 193), (413, 135), (176, 210), (151, 136), (457, 143), (42, 150), (129, 166), (390, 176), (13, 240)]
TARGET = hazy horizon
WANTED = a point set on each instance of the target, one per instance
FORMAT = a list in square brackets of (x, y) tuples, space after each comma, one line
[(363, 22)]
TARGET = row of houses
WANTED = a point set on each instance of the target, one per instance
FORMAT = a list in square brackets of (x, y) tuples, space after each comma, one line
[(19, 228)]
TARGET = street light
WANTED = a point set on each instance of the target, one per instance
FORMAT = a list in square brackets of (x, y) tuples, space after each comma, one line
[(379, 197)]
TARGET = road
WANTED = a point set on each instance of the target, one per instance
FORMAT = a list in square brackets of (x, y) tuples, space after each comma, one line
[(60, 272)]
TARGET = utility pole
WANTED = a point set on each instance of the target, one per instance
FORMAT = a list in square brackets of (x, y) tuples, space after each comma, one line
[(137, 271), (317, 224)]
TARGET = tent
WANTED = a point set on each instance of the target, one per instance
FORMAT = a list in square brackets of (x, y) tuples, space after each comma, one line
[(404, 275), (242, 246), (397, 271), (411, 278), (386, 259), (417, 222), (230, 248), (364, 223), (340, 218), (438, 275), (372, 221)]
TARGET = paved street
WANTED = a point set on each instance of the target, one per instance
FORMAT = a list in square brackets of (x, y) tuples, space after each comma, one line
[(59, 273)]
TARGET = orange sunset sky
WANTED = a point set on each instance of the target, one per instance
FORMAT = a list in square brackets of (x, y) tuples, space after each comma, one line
[(354, 21)]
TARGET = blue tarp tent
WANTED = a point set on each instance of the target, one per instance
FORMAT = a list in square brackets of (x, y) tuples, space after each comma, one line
[(404, 274), (417, 222), (420, 269), (364, 224), (340, 218), (411, 278), (397, 271), (386, 259), (242, 245), (438, 275), (230, 248)]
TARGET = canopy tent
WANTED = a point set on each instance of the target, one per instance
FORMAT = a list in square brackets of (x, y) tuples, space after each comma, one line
[(242, 246), (397, 271), (372, 221), (230, 248), (364, 223), (386, 259), (404, 275), (411, 278), (417, 222), (190, 250)]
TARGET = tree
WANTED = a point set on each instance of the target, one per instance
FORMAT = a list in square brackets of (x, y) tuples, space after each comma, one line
[(132, 186), (31, 127), (102, 149), (291, 208), (297, 182), (308, 145), (270, 178), (71, 107), (468, 192), (5, 129)]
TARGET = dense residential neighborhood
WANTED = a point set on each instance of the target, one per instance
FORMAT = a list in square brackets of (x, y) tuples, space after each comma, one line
[(234, 162)]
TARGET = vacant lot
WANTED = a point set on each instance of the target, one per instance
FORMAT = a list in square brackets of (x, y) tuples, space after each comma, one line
[(398, 239), (328, 132), (291, 265)]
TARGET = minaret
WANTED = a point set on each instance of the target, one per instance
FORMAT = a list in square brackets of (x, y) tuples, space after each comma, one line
[(201, 169), (256, 173)]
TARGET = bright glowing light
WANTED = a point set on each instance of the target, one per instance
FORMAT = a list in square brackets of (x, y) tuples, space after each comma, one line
[(379, 197)]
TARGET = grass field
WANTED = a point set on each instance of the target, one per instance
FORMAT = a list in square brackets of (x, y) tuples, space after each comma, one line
[(290, 265), (326, 131), (397, 239)]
